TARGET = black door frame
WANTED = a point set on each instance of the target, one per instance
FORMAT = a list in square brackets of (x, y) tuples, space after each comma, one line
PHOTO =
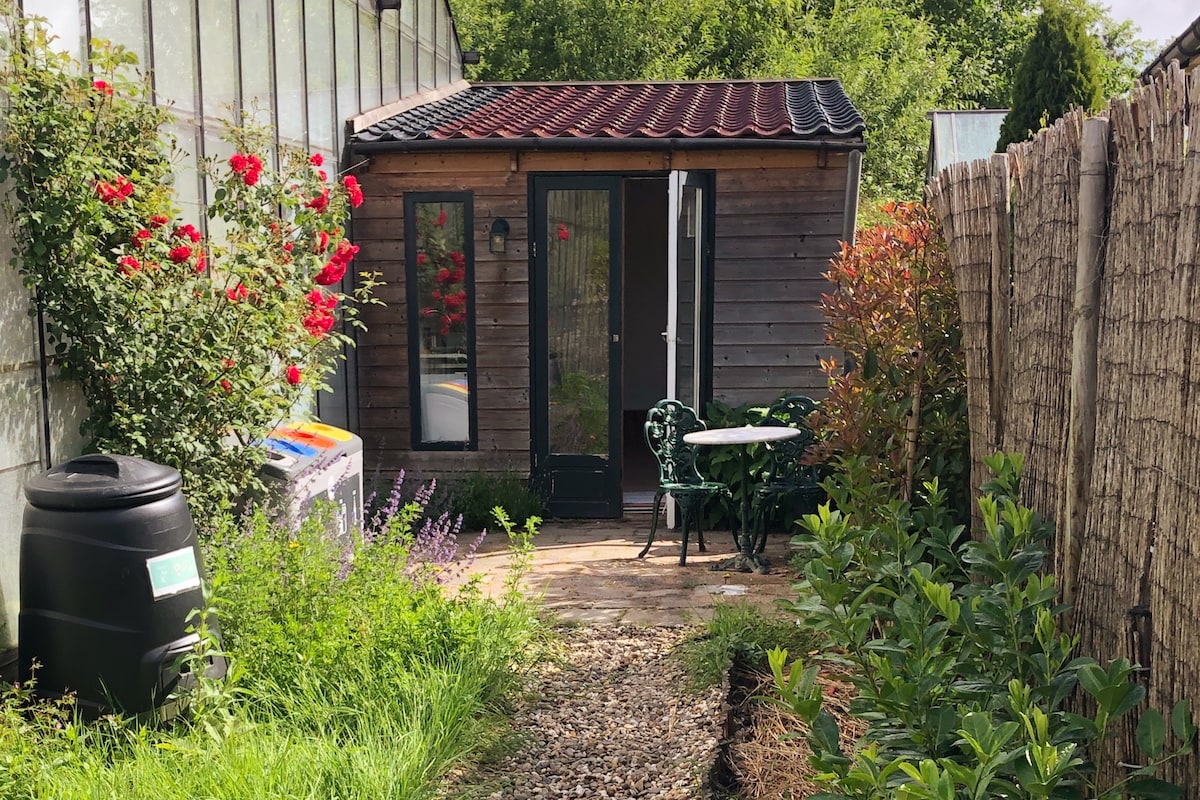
[(550, 470)]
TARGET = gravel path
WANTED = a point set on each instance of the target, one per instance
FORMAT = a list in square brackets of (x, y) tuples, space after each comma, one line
[(613, 720)]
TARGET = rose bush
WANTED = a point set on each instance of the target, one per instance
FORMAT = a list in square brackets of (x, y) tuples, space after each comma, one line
[(189, 346)]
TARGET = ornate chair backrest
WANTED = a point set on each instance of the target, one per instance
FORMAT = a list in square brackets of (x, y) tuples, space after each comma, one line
[(666, 425), (788, 464)]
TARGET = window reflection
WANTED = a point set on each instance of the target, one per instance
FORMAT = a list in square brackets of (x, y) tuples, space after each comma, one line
[(441, 274)]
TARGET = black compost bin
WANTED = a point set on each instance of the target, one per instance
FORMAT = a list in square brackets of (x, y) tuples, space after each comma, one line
[(109, 573)]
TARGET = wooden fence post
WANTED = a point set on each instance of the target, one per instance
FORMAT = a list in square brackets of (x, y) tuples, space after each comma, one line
[(1081, 432), (1001, 302)]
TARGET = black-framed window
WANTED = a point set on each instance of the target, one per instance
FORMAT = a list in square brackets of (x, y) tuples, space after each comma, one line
[(440, 262)]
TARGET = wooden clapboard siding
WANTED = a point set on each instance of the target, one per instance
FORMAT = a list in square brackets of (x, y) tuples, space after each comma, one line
[(779, 220), (776, 230)]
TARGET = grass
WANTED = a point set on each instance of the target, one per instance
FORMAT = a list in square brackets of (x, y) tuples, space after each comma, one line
[(355, 674), (739, 632)]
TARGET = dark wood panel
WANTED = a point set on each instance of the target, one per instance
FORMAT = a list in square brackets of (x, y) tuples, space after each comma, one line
[(740, 312), (768, 223), (405, 163), (783, 248), (781, 290), (807, 333), (776, 354), (748, 202), (781, 180), (766, 269)]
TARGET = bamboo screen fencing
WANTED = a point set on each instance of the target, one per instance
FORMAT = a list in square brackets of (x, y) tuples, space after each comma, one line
[(1127, 508)]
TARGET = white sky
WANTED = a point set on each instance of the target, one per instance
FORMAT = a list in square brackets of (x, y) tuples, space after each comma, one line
[(1160, 20)]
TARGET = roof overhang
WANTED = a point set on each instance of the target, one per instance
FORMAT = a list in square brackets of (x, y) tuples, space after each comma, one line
[(606, 145)]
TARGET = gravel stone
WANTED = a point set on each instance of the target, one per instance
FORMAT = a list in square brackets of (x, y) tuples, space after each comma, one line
[(613, 719)]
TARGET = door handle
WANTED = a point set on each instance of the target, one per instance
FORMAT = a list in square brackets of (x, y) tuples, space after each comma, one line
[(616, 337), (663, 335)]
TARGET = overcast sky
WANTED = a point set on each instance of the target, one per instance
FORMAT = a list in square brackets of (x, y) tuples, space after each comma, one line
[(1160, 20)]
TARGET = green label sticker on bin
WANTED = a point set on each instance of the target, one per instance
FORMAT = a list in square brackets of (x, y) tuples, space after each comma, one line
[(174, 572)]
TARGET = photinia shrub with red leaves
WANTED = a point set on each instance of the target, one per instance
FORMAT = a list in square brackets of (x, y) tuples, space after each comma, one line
[(188, 346), (893, 310)]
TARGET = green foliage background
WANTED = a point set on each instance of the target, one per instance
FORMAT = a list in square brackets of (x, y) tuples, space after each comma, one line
[(1058, 71), (898, 59)]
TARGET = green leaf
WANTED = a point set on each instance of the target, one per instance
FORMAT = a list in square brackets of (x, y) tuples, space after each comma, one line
[(1153, 789), (1151, 732), (1181, 721)]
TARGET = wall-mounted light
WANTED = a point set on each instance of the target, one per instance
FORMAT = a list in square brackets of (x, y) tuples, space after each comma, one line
[(386, 5), (471, 57), (499, 236)]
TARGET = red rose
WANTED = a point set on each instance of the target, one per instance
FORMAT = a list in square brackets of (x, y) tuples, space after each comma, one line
[(114, 193), (322, 175), (322, 241), (158, 220), (563, 233), (255, 162), (201, 260), (355, 193), (421, 259), (330, 274), (318, 322), (237, 293), (316, 159), (320, 202), (458, 258), (287, 248), (441, 220), (104, 87), (238, 163), (188, 231), (181, 254), (141, 237), (443, 276), (128, 265), (458, 275), (293, 374), (345, 252), (251, 177), (228, 363)]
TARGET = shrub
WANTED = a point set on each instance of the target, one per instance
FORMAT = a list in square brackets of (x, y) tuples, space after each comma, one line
[(899, 403), (954, 649), (188, 350), (480, 492)]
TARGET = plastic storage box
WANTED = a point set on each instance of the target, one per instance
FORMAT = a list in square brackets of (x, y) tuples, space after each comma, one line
[(308, 462)]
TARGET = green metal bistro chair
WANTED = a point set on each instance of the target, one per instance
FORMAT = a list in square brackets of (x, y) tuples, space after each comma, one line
[(791, 476), (666, 425)]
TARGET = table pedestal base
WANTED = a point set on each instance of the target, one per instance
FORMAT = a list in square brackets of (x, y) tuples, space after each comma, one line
[(743, 563)]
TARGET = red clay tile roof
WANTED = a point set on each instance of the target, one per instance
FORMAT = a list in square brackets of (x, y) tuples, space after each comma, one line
[(726, 110)]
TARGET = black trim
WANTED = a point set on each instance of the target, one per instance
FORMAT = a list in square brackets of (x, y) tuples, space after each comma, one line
[(411, 199), (588, 145), (543, 464), (708, 282)]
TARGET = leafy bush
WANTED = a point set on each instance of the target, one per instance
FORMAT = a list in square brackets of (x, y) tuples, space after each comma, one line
[(480, 492), (900, 403), (188, 350), (354, 673), (954, 649), (740, 633)]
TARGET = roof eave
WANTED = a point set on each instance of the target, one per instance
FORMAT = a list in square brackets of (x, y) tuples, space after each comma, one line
[(830, 144)]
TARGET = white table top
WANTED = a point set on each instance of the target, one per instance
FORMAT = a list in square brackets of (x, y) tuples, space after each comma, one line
[(747, 434)]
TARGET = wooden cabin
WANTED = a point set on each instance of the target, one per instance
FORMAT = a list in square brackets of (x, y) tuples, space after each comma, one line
[(559, 257)]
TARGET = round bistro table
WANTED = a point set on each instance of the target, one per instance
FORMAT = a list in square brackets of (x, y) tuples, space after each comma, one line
[(746, 560)]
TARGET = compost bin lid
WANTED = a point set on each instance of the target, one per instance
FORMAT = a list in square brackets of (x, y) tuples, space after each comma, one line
[(102, 481)]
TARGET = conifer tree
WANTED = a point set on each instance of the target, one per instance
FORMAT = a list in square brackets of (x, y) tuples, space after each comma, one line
[(1059, 71)]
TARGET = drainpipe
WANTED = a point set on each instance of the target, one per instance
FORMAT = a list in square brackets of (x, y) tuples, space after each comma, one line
[(853, 181)]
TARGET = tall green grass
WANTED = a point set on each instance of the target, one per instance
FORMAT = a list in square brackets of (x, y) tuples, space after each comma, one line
[(355, 674)]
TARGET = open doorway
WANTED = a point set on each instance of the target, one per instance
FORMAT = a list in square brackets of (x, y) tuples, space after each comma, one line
[(644, 300)]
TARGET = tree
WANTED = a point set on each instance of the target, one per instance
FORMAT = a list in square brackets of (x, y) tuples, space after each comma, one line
[(1059, 71)]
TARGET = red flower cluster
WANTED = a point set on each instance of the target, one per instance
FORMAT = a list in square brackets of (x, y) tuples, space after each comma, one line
[(187, 232), (248, 166), (237, 293), (114, 193), (320, 202), (454, 304), (355, 192), (103, 87), (127, 265), (158, 220), (319, 320), (335, 268), (316, 159), (180, 254), (141, 237)]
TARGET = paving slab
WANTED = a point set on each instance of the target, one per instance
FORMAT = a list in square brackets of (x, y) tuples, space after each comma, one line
[(587, 571)]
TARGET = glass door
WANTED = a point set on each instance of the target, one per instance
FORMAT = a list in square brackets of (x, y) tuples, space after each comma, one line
[(575, 316), (689, 270)]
